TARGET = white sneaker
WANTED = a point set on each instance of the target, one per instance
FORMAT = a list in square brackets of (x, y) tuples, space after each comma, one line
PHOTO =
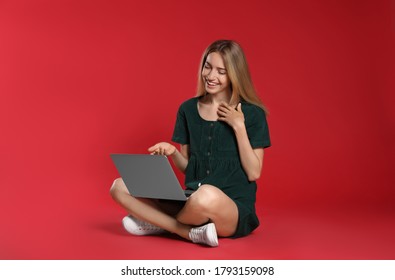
[(206, 234), (137, 227)]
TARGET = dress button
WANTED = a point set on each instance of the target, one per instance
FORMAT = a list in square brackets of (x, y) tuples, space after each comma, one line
[(208, 153), (211, 124), (208, 172), (209, 138), (199, 184)]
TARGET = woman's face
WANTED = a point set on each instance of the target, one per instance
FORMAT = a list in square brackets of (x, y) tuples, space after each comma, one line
[(214, 75)]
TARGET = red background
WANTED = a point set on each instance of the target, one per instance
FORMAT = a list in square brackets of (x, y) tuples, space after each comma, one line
[(82, 79)]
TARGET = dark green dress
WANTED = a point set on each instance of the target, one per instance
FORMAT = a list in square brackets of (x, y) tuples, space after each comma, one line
[(214, 157)]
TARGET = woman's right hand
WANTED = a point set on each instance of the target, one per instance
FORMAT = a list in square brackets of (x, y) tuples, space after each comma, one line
[(162, 148)]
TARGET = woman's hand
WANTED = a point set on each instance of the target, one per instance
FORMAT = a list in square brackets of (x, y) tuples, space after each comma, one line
[(233, 117), (180, 159), (162, 148)]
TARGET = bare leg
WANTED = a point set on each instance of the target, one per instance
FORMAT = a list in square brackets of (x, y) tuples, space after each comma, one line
[(147, 210), (209, 203)]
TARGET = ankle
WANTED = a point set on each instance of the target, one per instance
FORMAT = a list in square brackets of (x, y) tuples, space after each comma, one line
[(183, 231)]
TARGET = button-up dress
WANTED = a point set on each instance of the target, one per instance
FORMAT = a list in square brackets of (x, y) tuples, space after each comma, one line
[(214, 156)]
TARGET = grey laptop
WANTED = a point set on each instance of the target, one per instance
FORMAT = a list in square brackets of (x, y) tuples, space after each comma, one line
[(149, 176)]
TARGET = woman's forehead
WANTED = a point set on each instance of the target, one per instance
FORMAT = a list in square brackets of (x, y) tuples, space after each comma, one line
[(215, 59)]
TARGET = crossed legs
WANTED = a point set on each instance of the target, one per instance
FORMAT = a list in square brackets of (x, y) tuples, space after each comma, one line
[(207, 204), (210, 204)]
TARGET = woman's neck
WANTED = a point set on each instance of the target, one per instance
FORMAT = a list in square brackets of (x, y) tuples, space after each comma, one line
[(217, 98)]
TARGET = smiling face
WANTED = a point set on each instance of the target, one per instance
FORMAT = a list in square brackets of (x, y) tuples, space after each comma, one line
[(215, 76)]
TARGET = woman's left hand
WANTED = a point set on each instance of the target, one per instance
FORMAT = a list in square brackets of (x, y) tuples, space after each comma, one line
[(233, 117)]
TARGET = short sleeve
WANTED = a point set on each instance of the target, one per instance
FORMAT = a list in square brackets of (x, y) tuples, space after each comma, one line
[(181, 133), (257, 129)]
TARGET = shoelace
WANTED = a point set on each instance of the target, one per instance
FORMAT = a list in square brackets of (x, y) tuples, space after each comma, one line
[(147, 226), (197, 234)]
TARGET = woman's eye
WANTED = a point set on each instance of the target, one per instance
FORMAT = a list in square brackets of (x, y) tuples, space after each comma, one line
[(222, 72)]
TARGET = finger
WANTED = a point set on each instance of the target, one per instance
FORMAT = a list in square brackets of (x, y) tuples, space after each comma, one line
[(153, 148), (221, 114), (224, 106), (223, 110)]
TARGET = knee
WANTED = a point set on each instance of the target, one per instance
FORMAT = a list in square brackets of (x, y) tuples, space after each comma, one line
[(204, 198), (117, 187)]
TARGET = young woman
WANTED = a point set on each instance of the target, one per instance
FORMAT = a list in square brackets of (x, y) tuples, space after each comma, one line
[(222, 133)]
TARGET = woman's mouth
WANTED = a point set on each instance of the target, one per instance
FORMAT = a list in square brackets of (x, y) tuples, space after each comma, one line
[(211, 84)]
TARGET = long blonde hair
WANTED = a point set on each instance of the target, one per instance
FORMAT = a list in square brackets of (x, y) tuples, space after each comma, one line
[(237, 71)]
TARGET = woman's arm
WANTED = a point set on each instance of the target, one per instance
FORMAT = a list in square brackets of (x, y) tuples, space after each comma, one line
[(251, 159), (179, 158)]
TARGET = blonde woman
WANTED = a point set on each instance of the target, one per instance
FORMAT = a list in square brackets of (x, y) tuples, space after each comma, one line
[(222, 134)]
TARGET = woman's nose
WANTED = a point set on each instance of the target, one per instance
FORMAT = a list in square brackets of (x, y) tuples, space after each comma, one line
[(210, 75)]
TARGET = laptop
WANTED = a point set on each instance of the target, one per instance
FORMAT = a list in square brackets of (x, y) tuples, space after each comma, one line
[(149, 176)]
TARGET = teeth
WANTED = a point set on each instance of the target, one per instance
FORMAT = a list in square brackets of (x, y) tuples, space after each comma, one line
[(211, 84)]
